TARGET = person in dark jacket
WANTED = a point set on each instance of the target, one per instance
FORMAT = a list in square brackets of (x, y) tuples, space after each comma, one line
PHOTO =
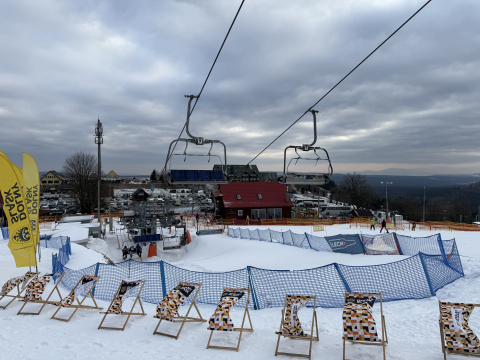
[(132, 251), (125, 252), (139, 250), (384, 225)]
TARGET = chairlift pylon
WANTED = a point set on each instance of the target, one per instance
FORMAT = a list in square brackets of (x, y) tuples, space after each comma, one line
[(191, 177), (307, 178)]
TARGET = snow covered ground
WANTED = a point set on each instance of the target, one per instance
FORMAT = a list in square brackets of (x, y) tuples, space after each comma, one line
[(412, 325)]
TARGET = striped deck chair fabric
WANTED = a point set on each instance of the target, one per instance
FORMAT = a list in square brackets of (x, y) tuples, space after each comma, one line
[(358, 321), (36, 287), (80, 290), (220, 320), (10, 284), (459, 336), (292, 325), (167, 309), (126, 289)]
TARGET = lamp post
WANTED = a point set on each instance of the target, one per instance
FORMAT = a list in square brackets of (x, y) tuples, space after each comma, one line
[(386, 195), (423, 220), (99, 141)]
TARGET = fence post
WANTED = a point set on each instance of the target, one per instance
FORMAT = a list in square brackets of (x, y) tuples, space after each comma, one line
[(252, 287), (162, 275), (308, 240), (270, 234), (426, 274), (293, 242), (342, 277), (442, 250), (96, 274)]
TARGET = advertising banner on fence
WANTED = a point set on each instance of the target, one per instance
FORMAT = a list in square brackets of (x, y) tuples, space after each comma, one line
[(348, 244), (21, 242), (318, 228), (31, 191)]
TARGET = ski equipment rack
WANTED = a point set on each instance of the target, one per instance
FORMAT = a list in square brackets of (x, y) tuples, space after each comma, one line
[(307, 178), (192, 177)]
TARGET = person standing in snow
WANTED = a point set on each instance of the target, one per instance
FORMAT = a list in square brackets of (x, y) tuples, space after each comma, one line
[(132, 251), (103, 233), (384, 225), (139, 251), (414, 225), (372, 224), (125, 252)]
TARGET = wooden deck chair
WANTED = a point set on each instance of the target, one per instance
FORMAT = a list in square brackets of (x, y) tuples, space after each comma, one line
[(169, 306), (456, 336), (34, 291), (15, 283), (358, 323), (220, 319), (290, 326), (115, 307), (87, 282)]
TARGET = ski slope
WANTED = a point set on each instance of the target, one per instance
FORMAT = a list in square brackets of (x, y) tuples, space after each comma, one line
[(39, 337)]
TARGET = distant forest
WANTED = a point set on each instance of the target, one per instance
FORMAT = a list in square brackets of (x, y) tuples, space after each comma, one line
[(458, 203)]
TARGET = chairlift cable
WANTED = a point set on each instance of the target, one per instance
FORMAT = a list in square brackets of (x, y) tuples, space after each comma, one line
[(329, 91), (208, 76)]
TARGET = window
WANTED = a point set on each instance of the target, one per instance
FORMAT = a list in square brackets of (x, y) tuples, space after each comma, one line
[(49, 181), (275, 213), (56, 181), (253, 177), (239, 197), (245, 178), (240, 212), (258, 214), (260, 196)]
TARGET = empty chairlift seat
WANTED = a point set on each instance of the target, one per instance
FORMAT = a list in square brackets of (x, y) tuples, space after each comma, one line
[(204, 175), (178, 175), (192, 175)]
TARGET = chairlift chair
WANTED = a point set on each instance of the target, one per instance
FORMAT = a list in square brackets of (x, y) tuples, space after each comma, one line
[(195, 177), (307, 178)]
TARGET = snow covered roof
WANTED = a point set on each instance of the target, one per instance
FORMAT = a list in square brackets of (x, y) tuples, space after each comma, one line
[(255, 194)]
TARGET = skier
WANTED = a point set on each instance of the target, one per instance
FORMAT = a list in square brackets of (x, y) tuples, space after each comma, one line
[(414, 225), (132, 251), (372, 224), (139, 251), (125, 252), (384, 225), (193, 220)]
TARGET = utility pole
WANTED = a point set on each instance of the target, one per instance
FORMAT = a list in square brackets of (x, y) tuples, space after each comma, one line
[(424, 205), (99, 141)]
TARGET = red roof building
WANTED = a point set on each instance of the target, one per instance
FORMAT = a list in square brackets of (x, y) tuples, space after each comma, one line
[(257, 200)]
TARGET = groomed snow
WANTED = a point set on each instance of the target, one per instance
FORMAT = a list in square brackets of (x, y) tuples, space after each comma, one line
[(412, 324)]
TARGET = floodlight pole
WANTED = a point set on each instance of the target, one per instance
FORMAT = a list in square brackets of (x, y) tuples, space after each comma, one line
[(386, 196), (99, 141), (423, 204)]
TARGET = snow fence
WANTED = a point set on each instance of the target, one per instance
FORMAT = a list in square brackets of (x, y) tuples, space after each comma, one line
[(62, 243), (416, 277), (4, 232)]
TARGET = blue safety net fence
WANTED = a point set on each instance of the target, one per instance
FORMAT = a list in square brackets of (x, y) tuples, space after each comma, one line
[(416, 277), (4, 232), (59, 260)]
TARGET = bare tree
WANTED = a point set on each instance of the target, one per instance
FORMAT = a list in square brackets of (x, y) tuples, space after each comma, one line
[(81, 169), (357, 189)]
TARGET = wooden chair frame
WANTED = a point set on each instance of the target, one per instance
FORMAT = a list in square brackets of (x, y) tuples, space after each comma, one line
[(40, 301), (384, 339), (80, 303), (241, 329), (293, 337), (129, 313), (19, 293), (442, 336), (183, 319)]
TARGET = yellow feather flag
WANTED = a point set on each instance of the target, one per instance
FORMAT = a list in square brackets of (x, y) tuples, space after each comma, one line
[(21, 242), (31, 191)]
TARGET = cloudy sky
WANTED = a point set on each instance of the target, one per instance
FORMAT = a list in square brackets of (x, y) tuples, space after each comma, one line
[(415, 104)]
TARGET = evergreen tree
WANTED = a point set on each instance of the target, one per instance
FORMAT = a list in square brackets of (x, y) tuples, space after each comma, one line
[(153, 176)]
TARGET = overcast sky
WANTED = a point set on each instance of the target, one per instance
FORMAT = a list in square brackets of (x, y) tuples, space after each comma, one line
[(414, 104)]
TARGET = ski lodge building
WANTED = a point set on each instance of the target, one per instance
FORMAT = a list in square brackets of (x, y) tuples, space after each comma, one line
[(257, 200)]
